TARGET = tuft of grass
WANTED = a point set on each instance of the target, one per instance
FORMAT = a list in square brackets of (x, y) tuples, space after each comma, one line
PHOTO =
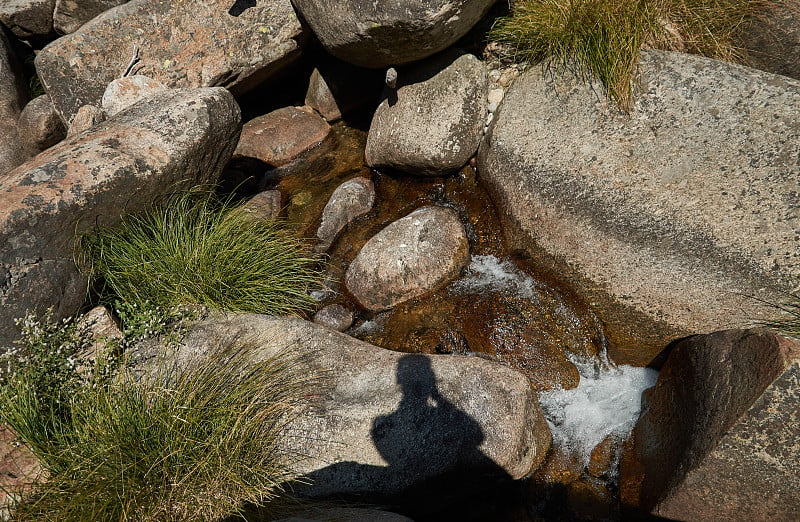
[(178, 442), (197, 250), (604, 37), (789, 310)]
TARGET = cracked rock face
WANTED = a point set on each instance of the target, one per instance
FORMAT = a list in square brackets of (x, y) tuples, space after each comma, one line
[(412, 256), (180, 43), (177, 136)]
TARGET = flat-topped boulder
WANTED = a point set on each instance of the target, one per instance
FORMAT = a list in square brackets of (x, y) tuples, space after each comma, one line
[(673, 219), (183, 136), (180, 43)]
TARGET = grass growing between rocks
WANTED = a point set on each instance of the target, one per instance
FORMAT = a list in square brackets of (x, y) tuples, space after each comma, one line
[(604, 37), (196, 249), (188, 442)]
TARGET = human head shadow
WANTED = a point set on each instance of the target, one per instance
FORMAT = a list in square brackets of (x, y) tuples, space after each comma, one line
[(435, 465)]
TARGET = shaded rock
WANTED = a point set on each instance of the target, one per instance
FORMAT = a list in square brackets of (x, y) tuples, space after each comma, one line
[(345, 515), (180, 136), (28, 18), (667, 220), (337, 88), (282, 135), (12, 100), (414, 255), (335, 316), (39, 125), (70, 15), (124, 92), (264, 205), (351, 199), (372, 34), (718, 438), (772, 39), (87, 117), (383, 421), (181, 43), (19, 469), (432, 124)]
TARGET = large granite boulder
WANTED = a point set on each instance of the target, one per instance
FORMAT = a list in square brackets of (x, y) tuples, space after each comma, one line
[(381, 34), (173, 138), (674, 219), (181, 43), (28, 18), (384, 421), (432, 124), (412, 256), (719, 436), (69, 15), (12, 100)]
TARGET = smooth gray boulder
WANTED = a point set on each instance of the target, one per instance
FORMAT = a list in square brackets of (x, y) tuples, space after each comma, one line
[(676, 219), (416, 254), (12, 99), (382, 34), (70, 15), (334, 316), (433, 123), (28, 18), (719, 435), (39, 125), (181, 43), (352, 199), (183, 136), (384, 421)]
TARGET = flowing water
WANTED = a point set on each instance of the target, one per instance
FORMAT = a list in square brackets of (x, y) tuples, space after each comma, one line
[(497, 309)]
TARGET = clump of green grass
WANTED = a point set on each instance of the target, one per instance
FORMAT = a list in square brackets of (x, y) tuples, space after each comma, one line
[(188, 442), (195, 249), (604, 37)]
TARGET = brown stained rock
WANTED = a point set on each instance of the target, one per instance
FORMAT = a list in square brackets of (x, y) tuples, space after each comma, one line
[(384, 421), (718, 438), (182, 136), (416, 254), (432, 124), (87, 117), (181, 43), (18, 469), (668, 220), (124, 92), (264, 205), (12, 100), (39, 125), (350, 200), (70, 15), (28, 18), (282, 135)]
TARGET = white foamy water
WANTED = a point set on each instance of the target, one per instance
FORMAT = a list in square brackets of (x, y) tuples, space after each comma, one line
[(605, 402), (490, 273)]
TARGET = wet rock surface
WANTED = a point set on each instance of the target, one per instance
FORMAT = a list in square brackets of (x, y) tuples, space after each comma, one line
[(371, 34), (145, 151), (431, 124), (660, 218), (181, 43), (725, 407), (414, 255)]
